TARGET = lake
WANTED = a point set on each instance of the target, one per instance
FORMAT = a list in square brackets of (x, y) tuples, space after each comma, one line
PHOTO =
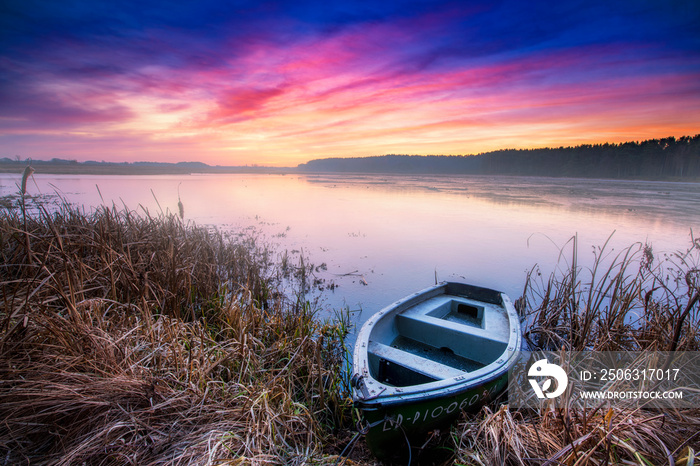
[(381, 237)]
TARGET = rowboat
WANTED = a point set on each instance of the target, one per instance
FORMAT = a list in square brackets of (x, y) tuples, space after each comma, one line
[(424, 359)]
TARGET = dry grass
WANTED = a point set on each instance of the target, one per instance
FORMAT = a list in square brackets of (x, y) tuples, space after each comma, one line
[(628, 301), (132, 339), (577, 437)]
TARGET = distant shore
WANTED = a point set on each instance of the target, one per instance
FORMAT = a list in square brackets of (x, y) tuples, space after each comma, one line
[(668, 159), (123, 169), (83, 168)]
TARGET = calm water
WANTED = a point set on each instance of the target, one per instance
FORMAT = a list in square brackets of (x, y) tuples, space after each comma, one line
[(383, 237)]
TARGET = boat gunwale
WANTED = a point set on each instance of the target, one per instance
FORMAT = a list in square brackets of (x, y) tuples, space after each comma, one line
[(379, 394)]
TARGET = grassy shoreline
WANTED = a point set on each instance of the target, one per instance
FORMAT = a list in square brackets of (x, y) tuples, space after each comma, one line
[(132, 339), (137, 339)]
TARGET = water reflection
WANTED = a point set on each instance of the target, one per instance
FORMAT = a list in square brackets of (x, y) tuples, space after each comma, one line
[(398, 233)]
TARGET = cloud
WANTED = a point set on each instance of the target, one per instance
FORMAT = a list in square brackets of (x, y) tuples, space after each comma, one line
[(249, 78), (32, 106), (236, 104)]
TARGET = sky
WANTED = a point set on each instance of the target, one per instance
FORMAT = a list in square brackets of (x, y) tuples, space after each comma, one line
[(278, 83)]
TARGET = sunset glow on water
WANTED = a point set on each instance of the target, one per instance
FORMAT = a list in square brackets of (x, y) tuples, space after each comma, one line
[(399, 233)]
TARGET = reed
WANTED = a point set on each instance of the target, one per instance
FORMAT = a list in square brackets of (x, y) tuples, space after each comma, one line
[(626, 301), (28, 171), (139, 339)]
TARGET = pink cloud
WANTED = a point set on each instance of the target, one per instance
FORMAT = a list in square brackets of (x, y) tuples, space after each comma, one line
[(358, 90), (237, 104)]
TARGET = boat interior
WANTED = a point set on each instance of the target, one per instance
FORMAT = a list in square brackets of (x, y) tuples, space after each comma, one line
[(443, 337)]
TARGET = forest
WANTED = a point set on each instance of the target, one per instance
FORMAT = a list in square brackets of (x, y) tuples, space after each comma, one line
[(668, 159), (654, 159)]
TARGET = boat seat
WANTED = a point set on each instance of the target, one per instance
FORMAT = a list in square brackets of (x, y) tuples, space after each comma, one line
[(423, 366), (467, 341)]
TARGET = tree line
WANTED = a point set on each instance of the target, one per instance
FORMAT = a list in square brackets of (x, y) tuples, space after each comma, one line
[(655, 159)]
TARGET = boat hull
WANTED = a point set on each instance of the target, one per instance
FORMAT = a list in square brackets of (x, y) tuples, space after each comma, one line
[(393, 428)]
